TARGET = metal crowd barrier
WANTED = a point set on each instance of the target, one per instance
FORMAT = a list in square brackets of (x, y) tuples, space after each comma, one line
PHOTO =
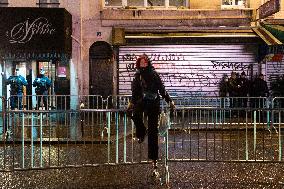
[(55, 102), (100, 133), (222, 102), (196, 136), (91, 102), (118, 101), (37, 139), (3, 115), (66, 102)]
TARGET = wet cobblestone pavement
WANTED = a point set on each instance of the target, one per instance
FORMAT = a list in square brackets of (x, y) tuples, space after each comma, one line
[(196, 175), (183, 175), (184, 144)]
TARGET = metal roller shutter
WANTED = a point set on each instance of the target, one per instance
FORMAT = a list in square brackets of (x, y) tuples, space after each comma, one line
[(273, 71), (188, 69)]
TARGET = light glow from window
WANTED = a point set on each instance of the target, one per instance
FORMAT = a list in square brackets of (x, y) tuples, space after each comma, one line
[(146, 3)]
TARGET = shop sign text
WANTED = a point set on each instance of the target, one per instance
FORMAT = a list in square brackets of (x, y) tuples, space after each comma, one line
[(24, 31)]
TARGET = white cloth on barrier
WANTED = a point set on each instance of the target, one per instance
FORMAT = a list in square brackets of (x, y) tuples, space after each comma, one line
[(164, 123)]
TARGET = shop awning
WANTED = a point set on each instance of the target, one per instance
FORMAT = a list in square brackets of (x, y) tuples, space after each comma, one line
[(35, 32), (273, 51), (123, 36), (273, 38), (276, 30), (266, 36)]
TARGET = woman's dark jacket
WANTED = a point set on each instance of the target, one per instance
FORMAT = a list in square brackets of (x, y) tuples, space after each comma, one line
[(148, 82)]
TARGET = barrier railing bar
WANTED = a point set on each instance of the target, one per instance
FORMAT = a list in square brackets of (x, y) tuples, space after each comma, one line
[(279, 139), (116, 136), (23, 143), (124, 138), (108, 136), (41, 163)]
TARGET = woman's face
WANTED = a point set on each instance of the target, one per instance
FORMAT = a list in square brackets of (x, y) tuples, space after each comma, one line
[(143, 63)]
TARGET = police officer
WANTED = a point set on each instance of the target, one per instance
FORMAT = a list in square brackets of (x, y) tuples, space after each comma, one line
[(42, 84), (261, 91), (16, 82), (243, 85), (224, 90), (260, 87)]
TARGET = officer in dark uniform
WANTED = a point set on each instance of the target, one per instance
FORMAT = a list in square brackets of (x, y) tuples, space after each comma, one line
[(224, 90), (233, 89), (243, 84), (261, 91), (243, 89), (16, 83), (147, 87), (260, 87), (42, 84)]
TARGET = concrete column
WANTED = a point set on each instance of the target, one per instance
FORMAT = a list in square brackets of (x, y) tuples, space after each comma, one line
[(145, 3), (187, 4), (7, 74), (73, 85), (75, 133), (124, 3), (1, 100), (2, 84), (103, 3), (167, 3), (34, 74)]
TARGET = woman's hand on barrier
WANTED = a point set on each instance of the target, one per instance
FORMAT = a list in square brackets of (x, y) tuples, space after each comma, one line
[(129, 109), (172, 106), (82, 105)]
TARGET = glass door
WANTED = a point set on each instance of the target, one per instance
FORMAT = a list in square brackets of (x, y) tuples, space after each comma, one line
[(50, 72)]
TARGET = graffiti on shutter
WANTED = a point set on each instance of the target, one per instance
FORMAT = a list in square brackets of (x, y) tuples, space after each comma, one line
[(188, 69), (273, 71)]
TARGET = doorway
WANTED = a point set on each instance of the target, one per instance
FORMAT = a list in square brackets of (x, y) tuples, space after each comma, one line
[(101, 69), (50, 72)]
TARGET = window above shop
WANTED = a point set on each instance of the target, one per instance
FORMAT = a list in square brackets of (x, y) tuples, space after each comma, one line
[(48, 3), (231, 4), (147, 3), (4, 3)]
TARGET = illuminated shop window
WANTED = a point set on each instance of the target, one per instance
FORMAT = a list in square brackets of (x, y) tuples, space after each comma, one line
[(48, 3), (113, 3), (179, 3), (135, 3), (233, 3), (146, 3), (157, 3), (4, 3)]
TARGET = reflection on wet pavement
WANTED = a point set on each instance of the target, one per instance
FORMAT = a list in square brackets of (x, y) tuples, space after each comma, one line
[(231, 155), (183, 175)]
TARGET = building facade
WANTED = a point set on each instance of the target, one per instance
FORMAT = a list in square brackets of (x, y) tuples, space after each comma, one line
[(191, 43)]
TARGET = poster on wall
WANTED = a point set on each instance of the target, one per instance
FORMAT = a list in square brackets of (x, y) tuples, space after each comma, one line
[(61, 71)]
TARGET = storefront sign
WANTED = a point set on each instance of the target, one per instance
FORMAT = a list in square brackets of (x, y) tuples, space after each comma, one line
[(35, 30), (24, 31), (269, 8), (61, 72), (274, 57)]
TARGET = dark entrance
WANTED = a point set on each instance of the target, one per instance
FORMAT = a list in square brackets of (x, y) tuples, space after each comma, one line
[(101, 69)]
